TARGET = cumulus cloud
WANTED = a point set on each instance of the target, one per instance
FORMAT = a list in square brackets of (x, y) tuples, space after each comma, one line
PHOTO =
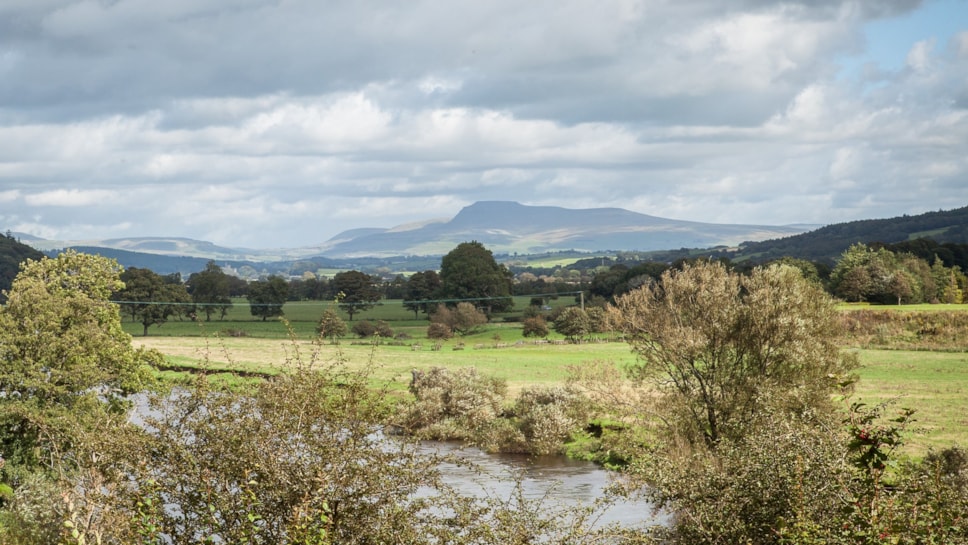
[(266, 123)]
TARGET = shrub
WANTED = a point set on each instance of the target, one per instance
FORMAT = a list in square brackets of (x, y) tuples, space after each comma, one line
[(462, 319), (457, 404), (331, 326), (548, 417), (573, 323), (438, 331), (535, 327)]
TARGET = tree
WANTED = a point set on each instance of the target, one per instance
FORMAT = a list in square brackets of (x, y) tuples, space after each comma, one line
[(266, 297), (535, 326), (462, 319), (65, 358), (151, 298), (420, 288), (723, 347), (331, 326), (573, 322), (356, 291), (469, 272), (210, 290)]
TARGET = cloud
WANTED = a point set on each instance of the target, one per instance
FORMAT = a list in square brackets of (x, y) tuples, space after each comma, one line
[(265, 123), (70, 198)]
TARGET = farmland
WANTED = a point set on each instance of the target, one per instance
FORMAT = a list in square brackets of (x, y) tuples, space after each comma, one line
[(933, 382)]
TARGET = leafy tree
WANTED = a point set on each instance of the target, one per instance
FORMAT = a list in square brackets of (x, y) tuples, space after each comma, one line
[(357, 291), (469, 272), (266, 297), (723, 347), (151, 298), (462, 319), (65, 358), (421, 287), (331, 326), (573, 322), (210, 290), (535, 326)]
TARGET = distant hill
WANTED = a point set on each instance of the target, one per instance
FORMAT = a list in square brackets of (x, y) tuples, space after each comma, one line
[(510, 227), (828, 243), (12, 254)]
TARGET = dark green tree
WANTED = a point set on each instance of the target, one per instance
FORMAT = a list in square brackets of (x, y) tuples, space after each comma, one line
[(210, 291), (469, 272), (356, 291), (151, 298), (266, 297), (421, 287)]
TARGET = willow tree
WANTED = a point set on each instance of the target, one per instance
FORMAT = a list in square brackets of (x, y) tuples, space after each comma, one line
[(723, 347)]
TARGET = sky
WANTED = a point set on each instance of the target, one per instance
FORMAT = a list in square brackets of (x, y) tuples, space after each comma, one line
[(280, 123)]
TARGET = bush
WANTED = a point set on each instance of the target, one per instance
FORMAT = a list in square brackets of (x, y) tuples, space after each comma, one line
[(462, 319), (440, 332), (547, 417), (535, 327), (331, 326), (573, 323), (455, 404), (379, 329)]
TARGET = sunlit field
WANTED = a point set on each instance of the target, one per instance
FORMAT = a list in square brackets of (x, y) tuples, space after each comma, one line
[(934, 383)]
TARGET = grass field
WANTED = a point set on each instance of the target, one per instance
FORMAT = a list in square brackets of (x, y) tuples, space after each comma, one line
[(933, 383)]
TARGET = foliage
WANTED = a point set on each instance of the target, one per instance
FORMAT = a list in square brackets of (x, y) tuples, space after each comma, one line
[(357, 291), (573, 323), (331, 326), (463, 319), (367, 328), (266, 297), (12, 254), (421, 287), (65, 358), (469, 272), (535, 326), (547, 417), (720, 346), (210, 290), (150, 298), (439, 331), (458, 404), (879, 275)]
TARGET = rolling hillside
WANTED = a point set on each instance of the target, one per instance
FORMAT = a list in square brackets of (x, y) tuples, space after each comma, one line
[(827, 243)]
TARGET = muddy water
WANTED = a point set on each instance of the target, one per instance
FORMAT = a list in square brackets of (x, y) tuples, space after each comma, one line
[(557, 480)]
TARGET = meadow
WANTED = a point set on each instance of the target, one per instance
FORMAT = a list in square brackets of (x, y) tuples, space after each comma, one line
[(935, 383)]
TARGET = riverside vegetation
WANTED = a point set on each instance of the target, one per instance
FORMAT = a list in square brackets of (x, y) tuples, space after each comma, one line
[(737, 416)]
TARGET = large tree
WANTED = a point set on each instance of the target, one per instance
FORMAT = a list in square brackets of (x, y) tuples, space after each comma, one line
[(151, 298), (356, 291), (470, 273), (266, 297), (64, 357), (210, 290), (723, 347), (421, 288)]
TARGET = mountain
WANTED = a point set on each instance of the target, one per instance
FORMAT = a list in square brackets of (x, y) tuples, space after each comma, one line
[(510, 227), (828, 243)]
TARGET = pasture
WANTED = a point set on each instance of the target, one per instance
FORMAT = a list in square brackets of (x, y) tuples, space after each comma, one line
[(933, 383)]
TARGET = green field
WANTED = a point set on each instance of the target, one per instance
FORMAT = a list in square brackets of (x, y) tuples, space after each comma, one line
[(933, 383)]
